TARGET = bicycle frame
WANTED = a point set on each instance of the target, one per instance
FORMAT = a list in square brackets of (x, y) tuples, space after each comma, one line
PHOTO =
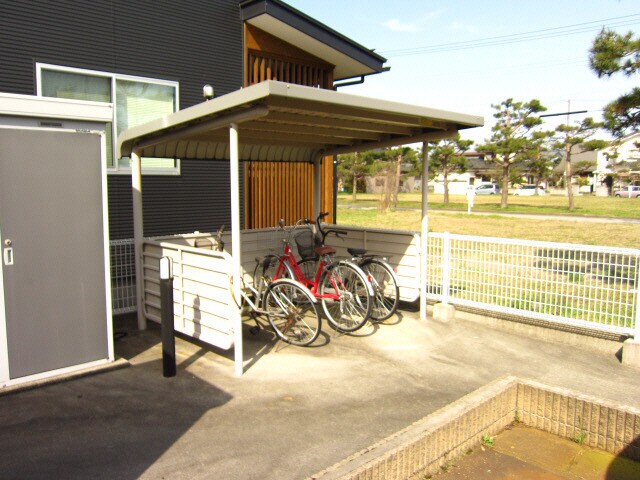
[(311, 284)]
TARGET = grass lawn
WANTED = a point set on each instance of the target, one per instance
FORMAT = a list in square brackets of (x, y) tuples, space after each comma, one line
[(587, 233), (548, 204)]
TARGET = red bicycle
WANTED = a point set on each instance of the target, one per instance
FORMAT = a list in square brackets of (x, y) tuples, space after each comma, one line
[(341, 287)]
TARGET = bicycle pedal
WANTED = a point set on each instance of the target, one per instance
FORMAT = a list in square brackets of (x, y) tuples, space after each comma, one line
[(254, 330)]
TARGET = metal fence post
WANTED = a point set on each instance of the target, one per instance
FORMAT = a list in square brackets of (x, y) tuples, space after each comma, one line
[(167, 331), (636, 326), (446, 267)]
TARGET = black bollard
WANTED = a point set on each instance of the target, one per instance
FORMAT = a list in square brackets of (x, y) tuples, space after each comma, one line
[(166, 327)]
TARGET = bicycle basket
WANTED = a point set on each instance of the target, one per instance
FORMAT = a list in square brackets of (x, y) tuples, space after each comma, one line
[(306, 243)]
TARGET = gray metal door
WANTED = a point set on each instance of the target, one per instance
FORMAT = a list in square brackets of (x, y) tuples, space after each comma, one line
[(51, 222)]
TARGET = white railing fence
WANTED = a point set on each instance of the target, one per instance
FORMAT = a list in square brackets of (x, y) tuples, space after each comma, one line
[(579, 285), (584, 286), (123, 276)]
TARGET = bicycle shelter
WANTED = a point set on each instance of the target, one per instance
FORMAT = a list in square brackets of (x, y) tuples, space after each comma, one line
[(269, 121)]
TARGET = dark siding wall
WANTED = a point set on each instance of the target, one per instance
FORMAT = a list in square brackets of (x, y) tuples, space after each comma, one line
[(199, 199), (189, 41)]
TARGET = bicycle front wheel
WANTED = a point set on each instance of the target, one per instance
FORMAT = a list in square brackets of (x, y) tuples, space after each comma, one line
[(345, 296), (292, 312), (386, 294)]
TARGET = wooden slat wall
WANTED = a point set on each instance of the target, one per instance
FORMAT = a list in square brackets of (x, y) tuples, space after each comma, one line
[(283, 190), (265, 66), (276, 190)]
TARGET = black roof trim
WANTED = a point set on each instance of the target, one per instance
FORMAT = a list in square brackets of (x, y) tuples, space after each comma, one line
[(315, 29)]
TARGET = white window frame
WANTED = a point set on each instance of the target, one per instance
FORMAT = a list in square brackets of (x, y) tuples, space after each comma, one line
[(116, 168)]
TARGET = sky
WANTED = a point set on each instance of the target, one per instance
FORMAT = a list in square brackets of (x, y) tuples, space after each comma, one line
[(541, 52)]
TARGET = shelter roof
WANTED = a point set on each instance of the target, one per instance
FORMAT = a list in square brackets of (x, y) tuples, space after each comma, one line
[(282, 122)]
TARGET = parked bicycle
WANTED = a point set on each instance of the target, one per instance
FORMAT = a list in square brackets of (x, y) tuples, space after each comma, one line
[(290, 308), (380, 274), (341, 287)]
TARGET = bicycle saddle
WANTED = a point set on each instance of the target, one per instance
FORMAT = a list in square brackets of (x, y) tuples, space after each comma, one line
[(357, 251), (324, 250)]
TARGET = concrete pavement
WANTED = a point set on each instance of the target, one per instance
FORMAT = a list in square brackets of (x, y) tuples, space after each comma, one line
[(295, 412)]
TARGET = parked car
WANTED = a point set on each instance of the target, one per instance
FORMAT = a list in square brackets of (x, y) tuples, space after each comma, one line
[(487, 189), (632, 191), (529, 190)]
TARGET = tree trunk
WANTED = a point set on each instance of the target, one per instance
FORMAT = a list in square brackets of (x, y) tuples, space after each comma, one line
[(445, 177), (394, 197), (355, 188), (505, 185), (568, 176)]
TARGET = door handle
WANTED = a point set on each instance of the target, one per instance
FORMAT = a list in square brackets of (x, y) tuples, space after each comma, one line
[(8, 256)]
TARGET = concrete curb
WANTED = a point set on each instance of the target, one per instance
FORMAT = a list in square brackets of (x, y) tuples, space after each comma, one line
[(430, 443)]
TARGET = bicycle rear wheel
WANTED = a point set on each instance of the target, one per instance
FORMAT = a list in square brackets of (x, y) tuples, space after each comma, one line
[(292, 312), (346, 296), (386, 294)]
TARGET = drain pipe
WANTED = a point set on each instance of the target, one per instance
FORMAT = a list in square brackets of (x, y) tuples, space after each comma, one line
[(358, 82)]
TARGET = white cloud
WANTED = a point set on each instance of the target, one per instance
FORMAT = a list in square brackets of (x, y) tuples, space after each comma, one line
[(432, 14), (417, 25), (398, 26), (462, 27)]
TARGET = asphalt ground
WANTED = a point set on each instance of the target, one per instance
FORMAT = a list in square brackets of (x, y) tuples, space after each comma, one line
[(294, 412)]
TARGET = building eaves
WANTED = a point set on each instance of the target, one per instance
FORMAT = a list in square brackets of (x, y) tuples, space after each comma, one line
[(313, 28)]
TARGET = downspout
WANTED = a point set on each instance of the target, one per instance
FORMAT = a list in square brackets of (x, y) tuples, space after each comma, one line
[(317, 185), (358, 82)]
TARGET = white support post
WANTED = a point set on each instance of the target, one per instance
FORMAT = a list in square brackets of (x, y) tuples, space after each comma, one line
[(636, 330), (424, 231), (317, 185), (446, 267), (236, 246), (138, 234)]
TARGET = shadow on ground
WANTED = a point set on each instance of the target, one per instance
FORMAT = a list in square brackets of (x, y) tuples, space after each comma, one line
[(117, 432)]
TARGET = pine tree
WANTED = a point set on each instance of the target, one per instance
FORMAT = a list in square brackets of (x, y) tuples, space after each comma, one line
[(512, 136)]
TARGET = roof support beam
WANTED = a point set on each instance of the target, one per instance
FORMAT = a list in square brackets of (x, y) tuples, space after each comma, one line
[(216, 123), (344, 112), (289, 128), (393, 142), (328, 121)]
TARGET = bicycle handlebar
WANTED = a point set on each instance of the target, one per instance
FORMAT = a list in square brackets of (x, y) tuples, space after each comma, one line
[(219, 239)]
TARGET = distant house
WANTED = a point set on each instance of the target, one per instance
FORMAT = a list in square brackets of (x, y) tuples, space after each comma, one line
[(479, 170), (602, 170), (619, 164)]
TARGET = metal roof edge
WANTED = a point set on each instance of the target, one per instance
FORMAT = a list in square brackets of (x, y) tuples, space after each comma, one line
[(50, 107), (262, 92), (369, 103)]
